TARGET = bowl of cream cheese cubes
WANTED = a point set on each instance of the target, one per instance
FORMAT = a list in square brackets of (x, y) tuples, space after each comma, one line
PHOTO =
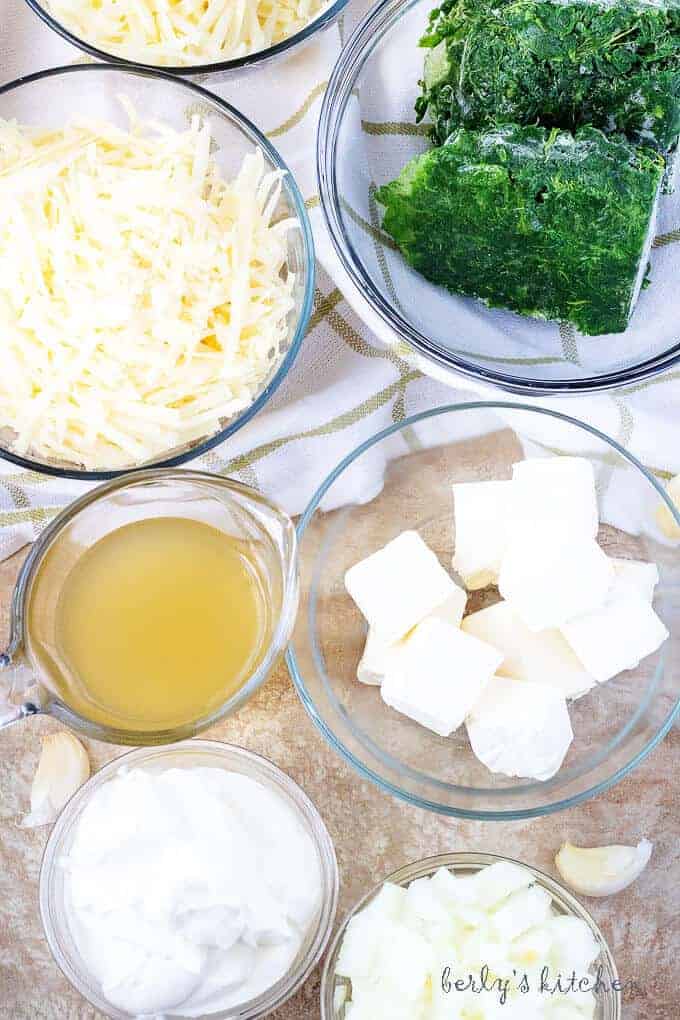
[(507, 608)]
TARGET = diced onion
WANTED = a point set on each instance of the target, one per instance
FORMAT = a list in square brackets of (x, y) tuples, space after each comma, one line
[(143, 298)]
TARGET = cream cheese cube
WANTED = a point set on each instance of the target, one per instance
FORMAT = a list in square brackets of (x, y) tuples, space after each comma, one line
[(520, 728), (542, 657), (453, 609), (616, 637), (634, 576), (555, 492), (480, 515), (373, 663), (548, 581), (399, 585), (438, 675)]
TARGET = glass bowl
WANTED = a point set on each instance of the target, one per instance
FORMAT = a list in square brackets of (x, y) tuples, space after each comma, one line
[(367, 132), (193, 753), (213, 72), (50, 98), (334, 987), (401, 478)]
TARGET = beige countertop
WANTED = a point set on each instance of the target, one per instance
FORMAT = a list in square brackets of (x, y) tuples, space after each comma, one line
[(373, 834)]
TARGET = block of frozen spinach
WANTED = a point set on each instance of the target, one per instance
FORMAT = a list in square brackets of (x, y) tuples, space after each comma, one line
[(537, 220), (558, 63)]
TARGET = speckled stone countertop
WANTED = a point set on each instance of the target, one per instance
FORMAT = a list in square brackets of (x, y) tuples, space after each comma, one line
[(373, 834)]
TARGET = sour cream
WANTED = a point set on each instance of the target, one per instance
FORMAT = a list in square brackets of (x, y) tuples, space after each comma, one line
[(189, 891)]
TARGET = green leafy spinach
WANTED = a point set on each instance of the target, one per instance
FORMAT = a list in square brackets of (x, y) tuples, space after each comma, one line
[(537, 220), (558, 63)]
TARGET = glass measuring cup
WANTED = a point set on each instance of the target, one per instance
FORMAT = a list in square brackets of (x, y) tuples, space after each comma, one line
[(223, 503)]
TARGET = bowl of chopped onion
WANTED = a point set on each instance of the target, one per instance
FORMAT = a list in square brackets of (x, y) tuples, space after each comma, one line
[(156, 270), (469, 934), (189, 38)]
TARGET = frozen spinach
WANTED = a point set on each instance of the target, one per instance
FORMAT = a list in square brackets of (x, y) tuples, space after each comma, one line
[(537, 220), (558, 63)]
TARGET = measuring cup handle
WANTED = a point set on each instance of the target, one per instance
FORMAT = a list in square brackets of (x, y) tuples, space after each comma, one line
[(13, 713), (10, 713)]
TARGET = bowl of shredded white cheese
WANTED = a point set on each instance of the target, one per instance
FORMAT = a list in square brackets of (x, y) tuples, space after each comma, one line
[(192, 37), (156, 270)]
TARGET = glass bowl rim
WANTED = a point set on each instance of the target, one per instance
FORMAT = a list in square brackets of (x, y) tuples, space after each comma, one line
[(368, 33), (317, 24), (293, 980), (59, 710), (369, 773), (427, 866), (230, 113)]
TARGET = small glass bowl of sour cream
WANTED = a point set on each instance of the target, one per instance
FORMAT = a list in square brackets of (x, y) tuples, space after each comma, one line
[(602, 984), (290, 812)]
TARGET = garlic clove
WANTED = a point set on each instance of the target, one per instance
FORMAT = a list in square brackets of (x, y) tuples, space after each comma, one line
[(62, 769), (602, 870), (664, 517)]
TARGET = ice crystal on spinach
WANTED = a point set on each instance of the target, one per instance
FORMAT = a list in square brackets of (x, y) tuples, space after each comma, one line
[(558, 63), (541, 221)]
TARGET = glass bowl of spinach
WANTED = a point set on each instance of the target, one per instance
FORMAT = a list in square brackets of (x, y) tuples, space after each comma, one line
[(532, 240)]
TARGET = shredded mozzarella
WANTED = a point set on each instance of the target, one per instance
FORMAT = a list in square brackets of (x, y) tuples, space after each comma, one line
[(184, 32), (143, 298)]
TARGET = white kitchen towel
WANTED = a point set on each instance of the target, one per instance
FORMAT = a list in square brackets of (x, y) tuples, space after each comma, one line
[(349, 380)]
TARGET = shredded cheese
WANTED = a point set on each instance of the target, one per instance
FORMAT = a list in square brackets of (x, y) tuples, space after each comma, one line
[(143, 298), (184, 32)]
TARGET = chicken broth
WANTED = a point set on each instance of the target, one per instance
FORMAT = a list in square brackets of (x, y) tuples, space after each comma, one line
[(156, 625)]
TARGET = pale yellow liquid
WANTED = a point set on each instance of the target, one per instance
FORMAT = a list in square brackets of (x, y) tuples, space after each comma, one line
[(157, 625)]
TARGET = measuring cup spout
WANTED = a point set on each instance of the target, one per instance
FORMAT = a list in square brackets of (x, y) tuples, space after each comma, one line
[(9, 711)]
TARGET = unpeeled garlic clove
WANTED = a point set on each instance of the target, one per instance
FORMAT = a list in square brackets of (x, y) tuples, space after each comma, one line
[(602, 870), (62, 769), (664, 517)]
